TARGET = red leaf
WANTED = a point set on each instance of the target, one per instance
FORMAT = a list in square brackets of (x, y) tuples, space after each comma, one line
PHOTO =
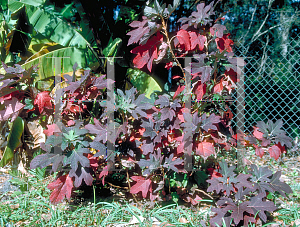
[(218, 88), (93, 162), (17, 94), (176, 77), (104, 173), (141, 185), (184, 39), (205, 149), (259, 151), (282, 148), (233, 75), (62, 188), (169, 65), (147, 53), (180, 148), (224, 43), (71, 122), (178, 91), (257, 134), (43, 100), (51, 130), (200, 90), (197, 40), (275, 152)]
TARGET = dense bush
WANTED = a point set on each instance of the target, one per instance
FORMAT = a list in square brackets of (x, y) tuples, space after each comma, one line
[(153, 138)]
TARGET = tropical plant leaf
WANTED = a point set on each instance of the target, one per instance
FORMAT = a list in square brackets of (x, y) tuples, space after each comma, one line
[(75, 156), (80, 174), (12, 110), (55, 29), (62, 188), (143, 82), (43, 100), (142, 185), (112, 48), (208, 123), (205, 149), (260, 206), (13, 141)]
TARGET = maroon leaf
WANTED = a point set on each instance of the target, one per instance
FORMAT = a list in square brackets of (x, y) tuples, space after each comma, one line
[(13, 108), (81, 174), (167, 113), (238, 211), (242, 181), (208, 123), (98, 129), (278, 185), (275, 152), (257, 205), (219, 28), (77, 84), (44, 160), (197, 40), (62, 188), (201, 16), (147, 148), (170, 163), (220, 216), (76, 156), (163, 101), (137, 34), (100, 83)]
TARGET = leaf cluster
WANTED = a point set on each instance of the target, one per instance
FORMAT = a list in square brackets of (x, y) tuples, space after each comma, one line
[(244, 196)]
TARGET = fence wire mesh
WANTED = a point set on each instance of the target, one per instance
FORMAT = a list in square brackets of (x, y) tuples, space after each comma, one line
[(272, 82)]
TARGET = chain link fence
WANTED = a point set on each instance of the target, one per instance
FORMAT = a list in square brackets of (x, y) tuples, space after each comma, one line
[(271, 80)]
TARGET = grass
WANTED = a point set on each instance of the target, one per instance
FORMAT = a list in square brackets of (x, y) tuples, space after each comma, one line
[(32, 208)]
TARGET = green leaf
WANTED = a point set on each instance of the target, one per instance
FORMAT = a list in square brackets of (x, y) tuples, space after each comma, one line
[(29, 104), (144, 83), (175, 197), (200, 178), (36, 3), (53, 28), (3, 5), (13, 141), (46, 63), (112, 47)]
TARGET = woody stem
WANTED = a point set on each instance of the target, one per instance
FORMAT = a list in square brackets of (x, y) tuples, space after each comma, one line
[(164, 26)]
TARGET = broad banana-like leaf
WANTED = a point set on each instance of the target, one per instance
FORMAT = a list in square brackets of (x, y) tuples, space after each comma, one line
[(144, 83), (112, 48), (46, 63), (13, 141), (75, 46)]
